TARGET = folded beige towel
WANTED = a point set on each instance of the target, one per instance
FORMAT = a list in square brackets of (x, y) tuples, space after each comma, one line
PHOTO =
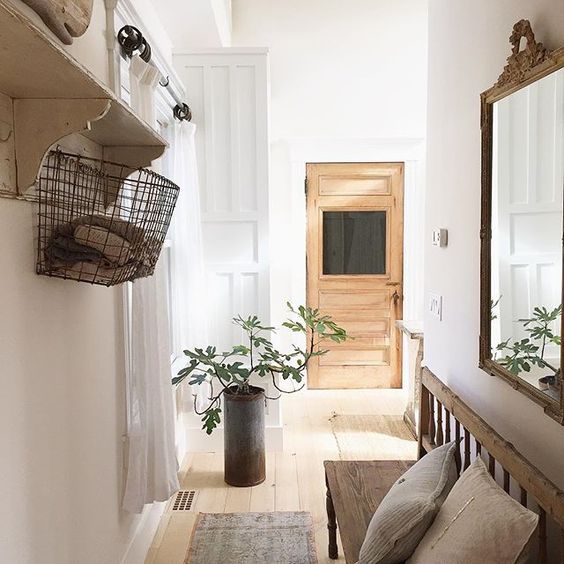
[(115, 248)]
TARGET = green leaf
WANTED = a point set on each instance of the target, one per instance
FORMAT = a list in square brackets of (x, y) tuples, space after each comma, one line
[(198, 379), (177, 379), (211, 419)]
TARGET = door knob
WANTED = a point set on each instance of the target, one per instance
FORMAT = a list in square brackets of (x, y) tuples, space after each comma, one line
[(395, 297)]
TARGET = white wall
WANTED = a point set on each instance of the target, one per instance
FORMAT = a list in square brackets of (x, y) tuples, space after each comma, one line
[(468, 46), (354, 69), (348, 81), (62, 399), (62, 410)]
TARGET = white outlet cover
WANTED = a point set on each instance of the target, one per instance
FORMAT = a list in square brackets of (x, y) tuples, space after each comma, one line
[(436, 306)]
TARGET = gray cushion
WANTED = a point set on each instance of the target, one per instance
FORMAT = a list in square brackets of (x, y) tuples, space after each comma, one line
[(408, 509)]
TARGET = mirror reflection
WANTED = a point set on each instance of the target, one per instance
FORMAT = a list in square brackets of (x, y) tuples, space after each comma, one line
[(526, 261)]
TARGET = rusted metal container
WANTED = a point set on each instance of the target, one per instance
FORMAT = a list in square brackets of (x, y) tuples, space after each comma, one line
[(244, 438)]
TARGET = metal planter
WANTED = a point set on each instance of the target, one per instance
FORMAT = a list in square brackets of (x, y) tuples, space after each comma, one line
[(244, 438)]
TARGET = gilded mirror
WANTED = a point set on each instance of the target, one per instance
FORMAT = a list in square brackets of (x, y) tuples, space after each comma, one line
[(522, 222)]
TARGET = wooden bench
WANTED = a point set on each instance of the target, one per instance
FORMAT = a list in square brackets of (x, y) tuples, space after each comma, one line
[(356, 488)]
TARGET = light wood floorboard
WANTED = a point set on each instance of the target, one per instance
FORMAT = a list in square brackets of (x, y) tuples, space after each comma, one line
[(294, 478)]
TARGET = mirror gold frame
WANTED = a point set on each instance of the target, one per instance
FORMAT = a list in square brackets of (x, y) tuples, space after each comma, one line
[(524, 66)]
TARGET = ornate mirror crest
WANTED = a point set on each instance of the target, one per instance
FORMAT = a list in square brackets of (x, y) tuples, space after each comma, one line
[(520, 62)]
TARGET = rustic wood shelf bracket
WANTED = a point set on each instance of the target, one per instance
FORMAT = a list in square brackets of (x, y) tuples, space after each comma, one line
[(39, 123)]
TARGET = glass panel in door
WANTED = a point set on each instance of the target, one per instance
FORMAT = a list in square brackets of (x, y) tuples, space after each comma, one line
[(354, 242)]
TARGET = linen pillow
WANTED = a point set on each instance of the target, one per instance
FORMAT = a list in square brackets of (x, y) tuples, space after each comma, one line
[(477, 523), (408, 509)]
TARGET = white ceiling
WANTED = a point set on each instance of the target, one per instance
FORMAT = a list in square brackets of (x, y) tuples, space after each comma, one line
[(195, 23)]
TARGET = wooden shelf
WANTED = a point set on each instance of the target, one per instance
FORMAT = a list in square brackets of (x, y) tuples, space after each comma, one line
[(54, 96)]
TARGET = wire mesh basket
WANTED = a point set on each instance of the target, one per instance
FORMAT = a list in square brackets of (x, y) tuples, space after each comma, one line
[(101, 222)]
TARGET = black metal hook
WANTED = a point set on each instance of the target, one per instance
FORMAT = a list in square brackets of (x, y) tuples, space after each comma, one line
[(131, 40), (182, 112)]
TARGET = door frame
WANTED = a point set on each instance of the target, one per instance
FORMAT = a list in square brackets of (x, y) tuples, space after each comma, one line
[(410, 151), (391, 203)]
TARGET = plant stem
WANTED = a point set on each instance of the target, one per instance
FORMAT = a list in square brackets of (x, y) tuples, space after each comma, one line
[(548, 365), (285, 391), (214, 400), (543, 341), (251, 350)]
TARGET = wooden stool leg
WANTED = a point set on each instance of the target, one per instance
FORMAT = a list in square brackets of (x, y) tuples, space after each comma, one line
[(331, 525)]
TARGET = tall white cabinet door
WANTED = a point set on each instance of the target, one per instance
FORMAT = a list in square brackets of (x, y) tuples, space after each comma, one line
[(228, 95)]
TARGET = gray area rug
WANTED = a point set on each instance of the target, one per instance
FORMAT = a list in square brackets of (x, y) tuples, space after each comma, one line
[(253, 538)]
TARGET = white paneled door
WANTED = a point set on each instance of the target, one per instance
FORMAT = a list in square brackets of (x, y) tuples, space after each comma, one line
[(228, 95), (229, 99)]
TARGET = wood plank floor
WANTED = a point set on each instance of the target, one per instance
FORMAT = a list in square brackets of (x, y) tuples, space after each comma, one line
[(295, 479)]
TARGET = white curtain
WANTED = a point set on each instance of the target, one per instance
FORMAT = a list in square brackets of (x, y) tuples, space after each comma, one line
[(189, 297), (143, 79), (152, 466)]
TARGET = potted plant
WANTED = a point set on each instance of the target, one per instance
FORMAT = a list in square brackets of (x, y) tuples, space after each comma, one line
[(519, 356), (228, 376)]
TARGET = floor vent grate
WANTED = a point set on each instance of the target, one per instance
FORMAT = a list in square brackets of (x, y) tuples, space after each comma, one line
[(183, 500)]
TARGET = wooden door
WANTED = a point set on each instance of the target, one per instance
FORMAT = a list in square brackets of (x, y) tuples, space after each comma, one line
[(355, 270)]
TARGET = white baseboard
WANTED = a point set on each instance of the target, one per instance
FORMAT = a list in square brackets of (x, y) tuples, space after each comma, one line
[(144, 534), (198, 441)]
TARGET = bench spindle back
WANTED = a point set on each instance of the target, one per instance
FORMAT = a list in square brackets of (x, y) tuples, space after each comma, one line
[(442, 410)]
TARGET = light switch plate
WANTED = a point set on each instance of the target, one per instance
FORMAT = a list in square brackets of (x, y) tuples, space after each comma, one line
[(440, 237), (436, 306)]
